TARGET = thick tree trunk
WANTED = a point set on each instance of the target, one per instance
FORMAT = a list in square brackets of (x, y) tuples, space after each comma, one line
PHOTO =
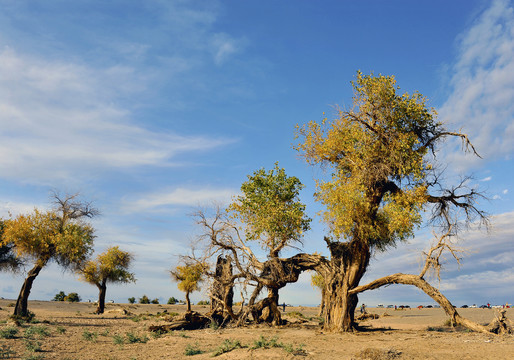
[(188, 302), (101, 297), (347, 266), (21, 308)]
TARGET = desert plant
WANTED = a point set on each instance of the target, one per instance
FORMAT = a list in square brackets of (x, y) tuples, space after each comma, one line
[(89, 336), (131, 300), (118, 339), (192, 350), (227, 346), (33, 345), (9, 332), (60, 329), (132, 338), (41, 331), (144, 300), (155, 301), (6, 352)]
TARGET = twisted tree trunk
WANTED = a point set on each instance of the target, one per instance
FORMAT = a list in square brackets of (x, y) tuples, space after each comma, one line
[(21, 308), (102, 287)]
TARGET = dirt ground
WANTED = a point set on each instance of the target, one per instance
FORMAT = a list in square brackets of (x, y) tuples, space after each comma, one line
[(72, 331)]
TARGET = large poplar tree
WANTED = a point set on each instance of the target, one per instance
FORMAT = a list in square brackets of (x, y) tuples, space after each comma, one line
[(381, 155)]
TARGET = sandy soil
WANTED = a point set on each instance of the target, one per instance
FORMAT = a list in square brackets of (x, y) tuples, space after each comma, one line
[(74, 332)]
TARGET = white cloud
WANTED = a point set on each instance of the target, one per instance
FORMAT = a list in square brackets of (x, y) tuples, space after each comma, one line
[(482, 100), (179, 197), (505, 192), (61, 120), (489, 178), (224, 47)]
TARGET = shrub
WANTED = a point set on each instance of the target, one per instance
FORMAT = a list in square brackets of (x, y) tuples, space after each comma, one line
[(118, 339), (33, 345), (227, 346), (72, 297), (192, 350), (9, 332), (144, 300), (131, 300), (41, 331), (203, 302), (89, 336), (132, 338), (60, 296), (155, 301), (172, 301)]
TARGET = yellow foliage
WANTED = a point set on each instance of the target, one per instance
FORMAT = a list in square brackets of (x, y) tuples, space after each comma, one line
[(110, 266)]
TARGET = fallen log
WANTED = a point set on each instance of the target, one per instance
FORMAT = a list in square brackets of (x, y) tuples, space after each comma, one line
[(190, 321)]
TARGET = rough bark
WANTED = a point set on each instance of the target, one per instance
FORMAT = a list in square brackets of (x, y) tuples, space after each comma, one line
[(21, 308), (347, 266), (222, 292), (101, 297), (188, 302), (422, 284), (190, 321)]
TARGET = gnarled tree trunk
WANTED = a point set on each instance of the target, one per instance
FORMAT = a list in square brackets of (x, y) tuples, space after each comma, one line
[(344, 271), (222, 291), (101, 297), (21, 308)]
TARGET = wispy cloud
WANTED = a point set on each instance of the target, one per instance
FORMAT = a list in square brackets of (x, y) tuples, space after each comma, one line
[(482, 96), (178, 197), (61, 120)]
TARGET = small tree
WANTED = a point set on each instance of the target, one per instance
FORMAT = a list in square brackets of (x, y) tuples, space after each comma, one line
[(58, 235), (131, 300), (172, 301), (110, 266), (60, 296), (72, 297), (189, 278), (144, 300)]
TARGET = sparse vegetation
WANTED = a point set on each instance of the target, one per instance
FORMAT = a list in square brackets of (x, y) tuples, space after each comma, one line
[(144, 300), (89, 335), (9, 332), (227, 346), (6, 352), (378, 354), (192, 350)]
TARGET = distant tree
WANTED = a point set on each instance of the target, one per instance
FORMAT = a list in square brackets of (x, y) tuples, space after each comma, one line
[(59, 235), (111, 266), (144, 300), (60, 296), (155, 301), (188, 277), (318, 282), (203, 302), (131, 300), (172, 301), (72, 297)]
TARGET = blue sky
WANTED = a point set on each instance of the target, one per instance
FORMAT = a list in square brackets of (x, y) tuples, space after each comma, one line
[(153, 108)]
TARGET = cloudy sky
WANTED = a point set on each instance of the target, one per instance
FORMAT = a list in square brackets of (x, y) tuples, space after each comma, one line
[(153, 108)]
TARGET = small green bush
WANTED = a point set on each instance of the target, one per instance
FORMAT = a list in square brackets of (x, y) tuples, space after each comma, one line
[(227, 346), (9, 332), (33, 345), (132, 338), (144, 300), (192, 350), (89, 336), (118, 339), (131, 300), (39, 330), (60, 330)]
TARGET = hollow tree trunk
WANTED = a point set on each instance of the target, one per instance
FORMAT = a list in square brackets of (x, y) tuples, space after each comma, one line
[(101, 297), (21, 308), (347, 266)]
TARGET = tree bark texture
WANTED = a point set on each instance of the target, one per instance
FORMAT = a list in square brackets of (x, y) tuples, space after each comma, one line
[(21, 308), (101, 297), (342, 274)]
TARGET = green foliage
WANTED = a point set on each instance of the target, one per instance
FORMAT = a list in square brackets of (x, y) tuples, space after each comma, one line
[(131, 300), (8, 332), (377, 154), (133, 338), (144, 300), (118, 339), (60, 296), (227, 346), (72, 297), (111, 266), (270, 209), (172, 301), (60, 329), (33, 345), (89, 335), (273, 342), (6, 352), (40, 331), (192, 350), (155, 301)]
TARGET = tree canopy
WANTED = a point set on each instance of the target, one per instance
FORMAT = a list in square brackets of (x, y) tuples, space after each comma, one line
[(270, 209), (188, 278)]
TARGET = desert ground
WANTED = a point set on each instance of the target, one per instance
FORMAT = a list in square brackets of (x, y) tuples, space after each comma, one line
[(72, 331)]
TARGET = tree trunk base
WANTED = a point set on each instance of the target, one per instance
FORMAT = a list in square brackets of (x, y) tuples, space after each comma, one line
[(501, 325)]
